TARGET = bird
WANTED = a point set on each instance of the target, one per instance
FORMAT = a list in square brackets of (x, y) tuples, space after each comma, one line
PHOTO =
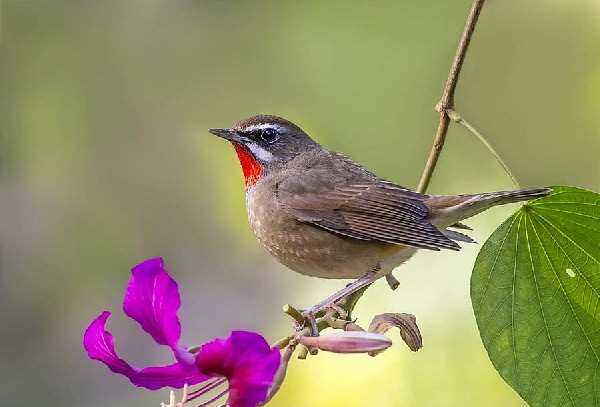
[(322, 214)]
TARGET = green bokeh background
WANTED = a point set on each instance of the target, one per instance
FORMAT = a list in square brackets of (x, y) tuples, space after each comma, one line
[(105, 160)]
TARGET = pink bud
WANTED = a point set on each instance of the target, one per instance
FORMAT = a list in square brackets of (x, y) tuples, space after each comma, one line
[(348, 342)]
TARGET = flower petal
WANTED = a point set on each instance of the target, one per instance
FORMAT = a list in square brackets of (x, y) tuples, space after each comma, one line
[(175, 375), (99, 344), (212, 358), (246, 360), (152, 299)]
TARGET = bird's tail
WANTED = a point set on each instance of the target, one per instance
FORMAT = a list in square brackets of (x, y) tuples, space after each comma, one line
[(448, 210), (518, 195)]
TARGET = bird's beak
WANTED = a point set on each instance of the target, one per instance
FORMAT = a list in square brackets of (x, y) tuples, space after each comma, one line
[(227, 134)]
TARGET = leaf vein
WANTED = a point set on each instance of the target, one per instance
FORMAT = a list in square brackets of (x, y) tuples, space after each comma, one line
[(562, 286), (544, 316), (487, 284), (567, 237)]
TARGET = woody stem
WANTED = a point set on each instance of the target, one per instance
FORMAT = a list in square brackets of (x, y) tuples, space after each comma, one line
[(447, 101)]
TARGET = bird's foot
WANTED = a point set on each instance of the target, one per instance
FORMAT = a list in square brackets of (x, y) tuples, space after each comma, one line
[(305, 320), (347, 291), (331, 310), (340, 311), (335, 309), (310, 321)]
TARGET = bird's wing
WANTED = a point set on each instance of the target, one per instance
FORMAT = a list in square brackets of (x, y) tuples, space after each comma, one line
[(347, 200)]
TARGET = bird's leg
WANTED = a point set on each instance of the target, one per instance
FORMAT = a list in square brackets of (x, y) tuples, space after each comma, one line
[(351, 288), (392, 281)]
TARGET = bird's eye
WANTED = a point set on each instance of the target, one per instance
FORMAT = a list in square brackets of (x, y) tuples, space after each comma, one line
[(269, 135)]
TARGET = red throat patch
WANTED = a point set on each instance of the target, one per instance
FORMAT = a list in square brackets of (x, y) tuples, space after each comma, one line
[(251, 168)]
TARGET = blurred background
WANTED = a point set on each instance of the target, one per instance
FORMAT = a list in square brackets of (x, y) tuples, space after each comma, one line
[(105, 160)]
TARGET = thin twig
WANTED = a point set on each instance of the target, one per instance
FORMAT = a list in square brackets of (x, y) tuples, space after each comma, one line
[(456, 117), (330, 318), (294, 313), (447, 100)]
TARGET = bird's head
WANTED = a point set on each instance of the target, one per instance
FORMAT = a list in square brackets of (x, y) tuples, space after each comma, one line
[(264, 143)]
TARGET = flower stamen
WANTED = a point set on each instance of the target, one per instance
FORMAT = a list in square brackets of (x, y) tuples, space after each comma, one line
[(172, 402), (215, 398), (205, 389)]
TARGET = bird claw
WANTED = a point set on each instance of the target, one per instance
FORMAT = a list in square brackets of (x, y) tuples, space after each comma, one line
[(310, 321), (332, 310), (304, 319), (342, 313), (335, 303)]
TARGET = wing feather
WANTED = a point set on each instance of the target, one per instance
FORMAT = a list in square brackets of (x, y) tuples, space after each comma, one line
[(339, 196)]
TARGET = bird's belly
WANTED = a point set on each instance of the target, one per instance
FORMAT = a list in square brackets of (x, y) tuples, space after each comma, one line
[(313, 251)]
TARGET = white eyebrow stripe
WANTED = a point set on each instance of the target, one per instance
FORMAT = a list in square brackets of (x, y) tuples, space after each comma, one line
[(259, 152), (263, 126)]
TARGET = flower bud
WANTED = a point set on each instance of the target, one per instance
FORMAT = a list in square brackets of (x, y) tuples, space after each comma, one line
[(348, 342)]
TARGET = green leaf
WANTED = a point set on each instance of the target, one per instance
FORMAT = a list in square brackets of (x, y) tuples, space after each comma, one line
[(535, 291)]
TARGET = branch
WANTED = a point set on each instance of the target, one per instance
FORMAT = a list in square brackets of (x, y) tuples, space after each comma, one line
[(456, 117), (338, 316), (447, 100)]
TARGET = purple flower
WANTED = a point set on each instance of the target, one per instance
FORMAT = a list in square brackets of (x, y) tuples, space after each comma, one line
[(244, 360), (248, 363), (99, 344)]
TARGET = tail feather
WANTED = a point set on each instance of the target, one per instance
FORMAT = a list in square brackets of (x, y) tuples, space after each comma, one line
[(457, 236), (449, 210), (479, 203), (462, 226), (505, 197)]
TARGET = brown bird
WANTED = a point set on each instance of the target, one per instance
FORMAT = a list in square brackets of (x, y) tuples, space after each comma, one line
[(323, 215)]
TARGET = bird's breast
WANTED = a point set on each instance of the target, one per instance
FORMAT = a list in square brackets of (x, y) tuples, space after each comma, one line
[(305, 248), (271, 225)]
